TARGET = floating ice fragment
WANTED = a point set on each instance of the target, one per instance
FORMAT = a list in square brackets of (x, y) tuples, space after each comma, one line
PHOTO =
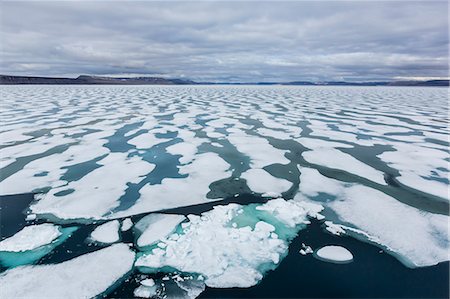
[(30, 217), (31, 237), (333, 228), (334, 158), (305, 249), (145, 292), (155, 227), (29, 256), (107, 232), (147, 282), (336, 254), (83, 277), (419, 238), (260, 181), (126, 224)]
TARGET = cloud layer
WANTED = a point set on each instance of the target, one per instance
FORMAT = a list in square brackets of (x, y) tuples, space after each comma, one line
[(227, 41)]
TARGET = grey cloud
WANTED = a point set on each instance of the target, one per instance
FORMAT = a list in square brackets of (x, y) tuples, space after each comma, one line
[(234, 41)]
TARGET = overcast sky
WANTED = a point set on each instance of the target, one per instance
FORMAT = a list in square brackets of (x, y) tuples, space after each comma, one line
[(227, 41)]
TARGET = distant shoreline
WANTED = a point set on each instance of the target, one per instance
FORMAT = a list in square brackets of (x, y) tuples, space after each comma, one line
[(98, 80)]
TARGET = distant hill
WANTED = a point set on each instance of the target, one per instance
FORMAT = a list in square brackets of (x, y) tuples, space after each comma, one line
[(91, 80), (420, 83)]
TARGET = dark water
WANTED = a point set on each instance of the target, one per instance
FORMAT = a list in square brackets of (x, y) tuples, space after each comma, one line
[(372, 274), (12, 216)]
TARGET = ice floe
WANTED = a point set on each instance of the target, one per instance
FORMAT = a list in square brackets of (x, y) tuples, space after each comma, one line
[(127, 223), (107, 232), (334, 158), (420, 168), (10, 256), (156, 227), (260, 181), (176, 192), (96, 194), (335, 254), (419, 238), (31, 237), (85, 276), (232, 256), (259, 150)]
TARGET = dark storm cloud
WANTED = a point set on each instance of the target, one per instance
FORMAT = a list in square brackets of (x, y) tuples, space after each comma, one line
[(231, 41)]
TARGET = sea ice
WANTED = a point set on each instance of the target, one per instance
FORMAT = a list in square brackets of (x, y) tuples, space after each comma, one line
[(337, 254), (260, 181), (232, 256), (107, 232), (126, 224), (31, 237), (259, 150), (419, 238), (147, 282), (336, 159), (156, 227), (96, 194), (85, 276), (145, 140), (205, 169)]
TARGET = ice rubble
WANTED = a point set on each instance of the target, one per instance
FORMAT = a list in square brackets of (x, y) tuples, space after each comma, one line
[(336, 254), (227, 255), (85, 276), (107, 232), (417, 237), (31, 237), (156, 227), (144, 291)]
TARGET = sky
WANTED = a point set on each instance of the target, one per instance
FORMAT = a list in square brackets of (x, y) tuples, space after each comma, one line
[(227, 41)]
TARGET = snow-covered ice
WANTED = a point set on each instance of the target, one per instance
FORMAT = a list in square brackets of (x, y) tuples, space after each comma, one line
[(31, 237), (156, 227), (420, 238), (232, 256), (102, 153), (107, 232), (336, 254), (85, 276), (127, 223), (260, 181)]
